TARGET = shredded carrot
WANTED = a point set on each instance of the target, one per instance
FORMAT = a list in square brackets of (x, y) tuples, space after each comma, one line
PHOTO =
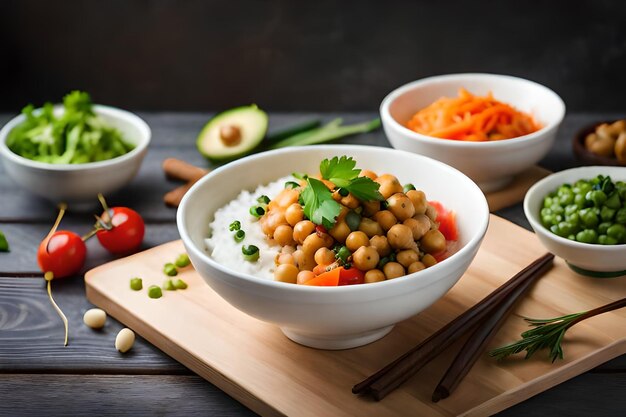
[(472, 118)]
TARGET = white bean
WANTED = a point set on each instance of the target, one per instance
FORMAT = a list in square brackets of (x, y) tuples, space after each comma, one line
[(124, 340), (95, 318)]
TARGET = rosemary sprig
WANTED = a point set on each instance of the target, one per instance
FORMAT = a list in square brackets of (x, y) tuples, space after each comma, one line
[(549, 333)]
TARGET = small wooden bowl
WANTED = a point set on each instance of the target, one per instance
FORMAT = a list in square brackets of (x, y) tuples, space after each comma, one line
[(589, 158)]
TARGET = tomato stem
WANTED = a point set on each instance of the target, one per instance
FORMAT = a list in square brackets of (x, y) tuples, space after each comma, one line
[(107, 219), (49, 276), (57, 222)]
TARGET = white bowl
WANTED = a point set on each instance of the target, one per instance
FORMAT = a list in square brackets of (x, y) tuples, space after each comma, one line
[(490, 164), (337, 317), (77, 184), (585, 258)]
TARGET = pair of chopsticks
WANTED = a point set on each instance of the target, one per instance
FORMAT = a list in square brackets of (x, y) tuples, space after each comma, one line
[(486, 317), (180, 170)]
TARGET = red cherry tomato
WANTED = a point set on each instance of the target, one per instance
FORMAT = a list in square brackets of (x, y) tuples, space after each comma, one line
[(447, 221), (63, 254), (351, 276), (126, 233)]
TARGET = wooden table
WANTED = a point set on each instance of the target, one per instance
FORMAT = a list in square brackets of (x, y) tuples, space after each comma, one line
[(38, 376)]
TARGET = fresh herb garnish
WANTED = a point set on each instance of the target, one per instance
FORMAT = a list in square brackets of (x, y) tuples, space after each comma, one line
[(319, 205)]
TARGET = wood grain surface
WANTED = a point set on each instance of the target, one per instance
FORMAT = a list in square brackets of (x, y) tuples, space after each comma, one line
[(260, 367)]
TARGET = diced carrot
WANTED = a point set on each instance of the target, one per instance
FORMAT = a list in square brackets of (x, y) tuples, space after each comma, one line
[(327, 279)]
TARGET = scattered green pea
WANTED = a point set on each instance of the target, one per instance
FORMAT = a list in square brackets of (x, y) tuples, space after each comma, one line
[(136, 284), (182, 260), (343, 253), (168, 285), (180, 284), (154, 291), (169, 269)]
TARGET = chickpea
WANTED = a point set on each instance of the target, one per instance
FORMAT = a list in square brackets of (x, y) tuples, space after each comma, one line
[(389, 185), (324, 256), (370, 208), (419, 225), (386, 219), (374, 275), (294, 214), (393, 270), (272, 220), (401, 237), (431, 212), (401, 206), (370, 227), (381, 244), (428, 260), (302, 229), (418, 198), (602, 145), (365, 258), (287, 197), (283, 235), (350, 201), (286, 273), (369, 174), (340, 231), (357, 239), (304, 276), (285, 258), (288, 249), (407, 257), (298, 257), (315, 241), (433, 242), (620, 147), (416, 266)]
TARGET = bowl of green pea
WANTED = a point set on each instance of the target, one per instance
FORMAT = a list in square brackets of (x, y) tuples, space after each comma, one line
[(580, 215)]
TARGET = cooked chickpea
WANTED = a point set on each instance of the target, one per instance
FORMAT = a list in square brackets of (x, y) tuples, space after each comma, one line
[(304, 276), (286, 273), (401, 237), (389, 185), (350, 201), (370, 207), (357, 239), (283, 235), (407, 257), (302, 229), (386, 219), (340, 231), (418, 198), (287, 197), (381, 244), (324, 256), (273, 219), (419, 225), (393, 270), (369, 174), (415, 267), (433, 241), (365, 258), (428, 260), (401, 206), (374, 275), (285, 258), (431, 212), (298, 257), (370, 227), (288, 249), (315, 241), (294, 214)]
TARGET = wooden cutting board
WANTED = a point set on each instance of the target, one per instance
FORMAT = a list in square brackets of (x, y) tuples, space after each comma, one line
[(515, 191), (257, 365)]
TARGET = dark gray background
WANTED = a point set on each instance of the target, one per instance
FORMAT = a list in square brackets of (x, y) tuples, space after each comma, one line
[(286, 55)]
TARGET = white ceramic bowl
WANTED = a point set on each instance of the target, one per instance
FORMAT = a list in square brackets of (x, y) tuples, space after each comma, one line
[(585, 258), (79, 184), (337, 317), (490, 164)]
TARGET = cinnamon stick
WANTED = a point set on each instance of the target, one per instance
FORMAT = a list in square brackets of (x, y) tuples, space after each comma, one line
[(482, 335), (393, 375), (181, 170)]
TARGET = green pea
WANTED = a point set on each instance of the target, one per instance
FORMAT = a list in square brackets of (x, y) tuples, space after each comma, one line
[(572, 237), (613, 201), (154, 291), (617, 231), (566, 198), (573, 218), (606, 213), (598, 197), (180, 284), (603, 227), (607, 240), (587, 236), (588, 218), (565, 229), (343, 253), (556, 209), (136, 284), (168, 285), (620, 216), (547, 202), (580, 200), (169, 269), (571, 209), (183, 260)]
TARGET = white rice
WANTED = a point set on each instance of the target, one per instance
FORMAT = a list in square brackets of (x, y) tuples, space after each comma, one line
[(222, 247)]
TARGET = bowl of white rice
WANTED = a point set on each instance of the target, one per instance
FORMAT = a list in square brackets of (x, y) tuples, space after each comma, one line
[(321, 317)]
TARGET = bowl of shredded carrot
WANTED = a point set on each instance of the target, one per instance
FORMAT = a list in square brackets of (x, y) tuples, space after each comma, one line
[(490, 127)]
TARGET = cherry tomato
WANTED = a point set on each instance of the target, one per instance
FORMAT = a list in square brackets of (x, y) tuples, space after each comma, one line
[(351, 276), (447, 221), (126, 231), (63, 254)]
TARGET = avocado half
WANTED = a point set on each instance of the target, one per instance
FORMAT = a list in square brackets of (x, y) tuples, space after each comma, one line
[(251, 123)]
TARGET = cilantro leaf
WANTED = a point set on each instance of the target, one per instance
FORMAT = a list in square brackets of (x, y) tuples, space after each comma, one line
[(339, 171), (365, 189), (319, 205)]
